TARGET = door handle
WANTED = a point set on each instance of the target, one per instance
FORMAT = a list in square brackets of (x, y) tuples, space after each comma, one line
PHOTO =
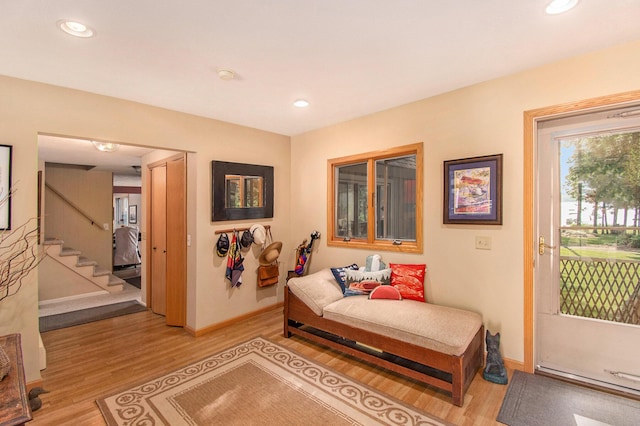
[(542, 246)]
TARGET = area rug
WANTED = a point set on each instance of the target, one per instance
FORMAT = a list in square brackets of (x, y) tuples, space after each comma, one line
[(83, 316), (257, 383), (533, 400)]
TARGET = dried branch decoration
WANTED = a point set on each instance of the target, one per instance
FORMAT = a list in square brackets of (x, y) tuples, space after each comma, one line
[(19, 254)]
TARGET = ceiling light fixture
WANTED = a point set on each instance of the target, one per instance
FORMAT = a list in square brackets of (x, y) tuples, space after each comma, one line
[(76, 29), (226, 75), (106, 146), (556, 7), (301, 103)]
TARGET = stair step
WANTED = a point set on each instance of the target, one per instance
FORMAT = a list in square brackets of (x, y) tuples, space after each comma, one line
[(68, 251), (84, 261), (52, 241), (113, 280), (83, 266), (100, 272)]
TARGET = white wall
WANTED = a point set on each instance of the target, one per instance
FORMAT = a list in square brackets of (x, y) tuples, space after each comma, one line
[(483, 119)]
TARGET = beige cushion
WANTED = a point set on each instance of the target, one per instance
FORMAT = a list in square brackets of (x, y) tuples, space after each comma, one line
[(439, 328), (316, 290)]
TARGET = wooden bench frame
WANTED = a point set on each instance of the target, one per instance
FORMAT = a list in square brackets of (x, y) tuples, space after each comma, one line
[(447, 372)]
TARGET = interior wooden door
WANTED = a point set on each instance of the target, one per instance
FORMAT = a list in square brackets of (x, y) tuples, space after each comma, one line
[(159, 239), (176, 243)]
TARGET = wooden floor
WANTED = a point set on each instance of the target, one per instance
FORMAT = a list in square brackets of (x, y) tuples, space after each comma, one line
[(95, 360)]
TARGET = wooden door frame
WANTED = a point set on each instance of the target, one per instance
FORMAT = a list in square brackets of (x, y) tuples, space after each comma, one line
[(148, 222), (530, 127)]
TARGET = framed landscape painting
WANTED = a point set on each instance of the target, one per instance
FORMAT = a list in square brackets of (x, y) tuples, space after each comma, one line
[(473, 191)]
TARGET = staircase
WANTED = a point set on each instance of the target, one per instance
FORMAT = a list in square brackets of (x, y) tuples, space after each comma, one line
[(84, 267)]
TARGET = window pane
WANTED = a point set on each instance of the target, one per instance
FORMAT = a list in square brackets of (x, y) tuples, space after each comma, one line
[(600, 195), (233, 192), (351, 201), (396, 198), (376, 200), (253, 191)]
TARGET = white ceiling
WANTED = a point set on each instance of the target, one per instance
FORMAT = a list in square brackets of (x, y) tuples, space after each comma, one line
[(348, 58), (125, 161)]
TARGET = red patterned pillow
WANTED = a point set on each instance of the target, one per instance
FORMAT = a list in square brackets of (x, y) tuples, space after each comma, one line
[(409, 280)]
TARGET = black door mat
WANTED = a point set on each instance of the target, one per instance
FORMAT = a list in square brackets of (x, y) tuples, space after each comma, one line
[(83, 316)]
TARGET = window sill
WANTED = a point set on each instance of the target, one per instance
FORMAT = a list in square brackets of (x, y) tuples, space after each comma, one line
[(405, 247)]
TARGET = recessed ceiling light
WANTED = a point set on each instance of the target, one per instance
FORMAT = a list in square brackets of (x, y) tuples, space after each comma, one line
[(301, 103), (556, 7), (76, 29), (225, 74)]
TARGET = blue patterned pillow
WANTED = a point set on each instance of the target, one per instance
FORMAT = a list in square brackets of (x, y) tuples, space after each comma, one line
[(340, 274)]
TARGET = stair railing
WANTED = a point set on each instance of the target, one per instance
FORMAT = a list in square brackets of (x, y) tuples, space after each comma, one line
[(75, 207)]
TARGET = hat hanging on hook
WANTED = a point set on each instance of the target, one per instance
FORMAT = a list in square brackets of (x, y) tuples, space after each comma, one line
[(258, 233), (222, 246)]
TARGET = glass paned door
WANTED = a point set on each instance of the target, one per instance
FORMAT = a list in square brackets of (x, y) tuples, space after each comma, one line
[(588, 263)]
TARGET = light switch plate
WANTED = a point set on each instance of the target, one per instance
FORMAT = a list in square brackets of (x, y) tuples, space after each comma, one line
[(483, 243)]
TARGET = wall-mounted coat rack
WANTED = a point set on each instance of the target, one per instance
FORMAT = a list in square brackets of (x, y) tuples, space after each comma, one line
[(226, 231)]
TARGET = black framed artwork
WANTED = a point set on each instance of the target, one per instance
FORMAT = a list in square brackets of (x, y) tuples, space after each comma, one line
[(241, 191), (6, 152), (133, 214), (473, 191)]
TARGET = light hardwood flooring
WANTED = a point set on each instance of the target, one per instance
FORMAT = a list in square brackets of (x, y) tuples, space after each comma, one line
[(95, 360)]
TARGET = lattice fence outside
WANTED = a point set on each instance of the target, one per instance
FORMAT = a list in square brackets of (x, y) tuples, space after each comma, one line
[(600, 288)]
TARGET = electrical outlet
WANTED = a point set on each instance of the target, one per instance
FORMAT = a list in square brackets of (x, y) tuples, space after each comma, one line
[(483, 243)]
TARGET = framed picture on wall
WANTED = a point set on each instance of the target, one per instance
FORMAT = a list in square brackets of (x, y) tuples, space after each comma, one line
[(473, 191), (133, 214), (5, 186), (241, 191)]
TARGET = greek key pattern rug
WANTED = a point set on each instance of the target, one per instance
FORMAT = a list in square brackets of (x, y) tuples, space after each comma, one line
[(257, 383)]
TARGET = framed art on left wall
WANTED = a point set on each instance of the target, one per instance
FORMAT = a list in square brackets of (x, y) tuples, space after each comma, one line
[(5, 186)]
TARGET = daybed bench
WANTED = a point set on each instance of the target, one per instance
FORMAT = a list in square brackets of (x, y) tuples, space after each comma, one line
[(437, 345)]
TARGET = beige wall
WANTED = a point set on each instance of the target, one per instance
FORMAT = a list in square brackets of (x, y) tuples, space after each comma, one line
[(482, 119), (28, 108), (90, 191), (478, 120), (56, 281)]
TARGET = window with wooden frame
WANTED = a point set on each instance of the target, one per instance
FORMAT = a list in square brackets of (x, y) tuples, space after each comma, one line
[(375, 200)]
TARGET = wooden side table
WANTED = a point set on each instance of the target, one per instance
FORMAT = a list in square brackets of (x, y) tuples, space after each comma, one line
[(14, 402)]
